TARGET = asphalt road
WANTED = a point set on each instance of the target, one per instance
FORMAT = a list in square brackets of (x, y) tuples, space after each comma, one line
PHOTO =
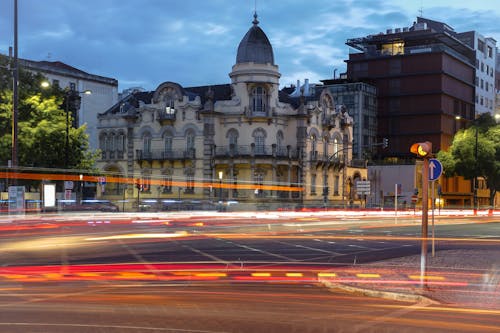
[(219, 274), (136, 307), (277, 240)]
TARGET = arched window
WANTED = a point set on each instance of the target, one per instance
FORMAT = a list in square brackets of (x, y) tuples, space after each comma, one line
[(258, 99), (168, 142), (146, 143), (120, 144), (259, 136), (232, 136), (190, 140), (102, 144), (281, 150), (335, 147)]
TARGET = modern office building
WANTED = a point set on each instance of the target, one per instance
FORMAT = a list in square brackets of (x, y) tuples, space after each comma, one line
[(426, 82)]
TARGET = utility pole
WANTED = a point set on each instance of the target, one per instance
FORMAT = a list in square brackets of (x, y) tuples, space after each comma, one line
[(15, 93), (424, 151)]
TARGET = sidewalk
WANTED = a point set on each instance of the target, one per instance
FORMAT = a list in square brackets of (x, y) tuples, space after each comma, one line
[(466, 278)]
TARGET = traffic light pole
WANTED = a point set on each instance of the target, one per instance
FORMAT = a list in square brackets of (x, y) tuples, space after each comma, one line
[(425, 220)]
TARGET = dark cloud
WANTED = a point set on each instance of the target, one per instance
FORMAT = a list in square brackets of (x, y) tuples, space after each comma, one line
[(194, 42)]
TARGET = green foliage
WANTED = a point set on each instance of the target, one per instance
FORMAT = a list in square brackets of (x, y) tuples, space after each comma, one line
[(41, 125), (475, 152)]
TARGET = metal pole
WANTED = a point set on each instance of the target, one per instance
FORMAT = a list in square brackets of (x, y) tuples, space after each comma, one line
[(396, 202), (475, 176), (66, 146), (433, 207), (15, 93), (425, 208)]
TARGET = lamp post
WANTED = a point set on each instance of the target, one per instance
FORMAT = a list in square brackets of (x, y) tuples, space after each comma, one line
[(15, 98), (221, 174), (81, 188), (70, 94)]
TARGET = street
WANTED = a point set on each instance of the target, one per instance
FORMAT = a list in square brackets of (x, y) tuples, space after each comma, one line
[(230, 273)]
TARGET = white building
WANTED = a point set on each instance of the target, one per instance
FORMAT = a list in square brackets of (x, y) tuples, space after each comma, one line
[(104, 91), (486, 56)]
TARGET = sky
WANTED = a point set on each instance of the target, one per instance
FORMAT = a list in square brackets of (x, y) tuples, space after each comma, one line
[(143, 43)]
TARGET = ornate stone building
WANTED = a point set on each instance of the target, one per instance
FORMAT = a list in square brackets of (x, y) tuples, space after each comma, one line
[(245, 142)]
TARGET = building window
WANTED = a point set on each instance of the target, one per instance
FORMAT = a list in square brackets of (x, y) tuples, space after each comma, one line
[(168, 142), (72, 86), (490, 52), (258, 99), (190, 140), (482, 66), (55, 83), (167, 184), (336, 182), (258, 179), (259, 140), (189, 183), (313, 184), (146, 143), (146, 183)]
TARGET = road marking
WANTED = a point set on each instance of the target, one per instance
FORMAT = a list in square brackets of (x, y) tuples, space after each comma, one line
[(211, 274), (258, 274), (261, 251), (325, 274), (294, 274), (426, 277), (208, 255), (368, 275), (310, 248)]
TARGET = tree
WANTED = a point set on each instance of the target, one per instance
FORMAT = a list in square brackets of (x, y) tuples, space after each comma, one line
[(41, 125), (460, 158)]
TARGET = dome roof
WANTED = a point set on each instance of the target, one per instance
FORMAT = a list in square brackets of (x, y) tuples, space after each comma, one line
[(255, 47)]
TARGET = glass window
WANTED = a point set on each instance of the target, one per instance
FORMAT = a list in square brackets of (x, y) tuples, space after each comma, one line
[(313, 184), (258, 99), (190, 140), (260, 141), (146, 142), (167, 184)]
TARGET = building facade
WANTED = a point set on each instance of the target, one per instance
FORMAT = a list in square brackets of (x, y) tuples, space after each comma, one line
[(426, 82), (485, 49), (104, 91), (360, 99), (245, 142)]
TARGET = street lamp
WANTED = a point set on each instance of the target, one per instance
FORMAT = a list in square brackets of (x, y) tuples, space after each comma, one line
[(221, 174), (70, 94)]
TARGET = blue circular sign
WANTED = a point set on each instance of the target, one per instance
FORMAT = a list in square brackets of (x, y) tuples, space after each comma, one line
[(435, 169)]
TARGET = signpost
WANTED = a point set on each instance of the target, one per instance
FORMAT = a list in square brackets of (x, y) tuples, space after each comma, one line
[(16, 199), (435, 171), (363, 188)]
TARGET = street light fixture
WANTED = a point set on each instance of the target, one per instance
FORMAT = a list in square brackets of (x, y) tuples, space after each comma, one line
[(221, 174)]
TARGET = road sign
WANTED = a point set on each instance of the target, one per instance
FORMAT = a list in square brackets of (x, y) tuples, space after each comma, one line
[(101, 180), (363, 187), (435, 169), (68, 185)]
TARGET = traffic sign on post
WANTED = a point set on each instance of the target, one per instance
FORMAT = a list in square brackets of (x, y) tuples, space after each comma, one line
[(435, 169)]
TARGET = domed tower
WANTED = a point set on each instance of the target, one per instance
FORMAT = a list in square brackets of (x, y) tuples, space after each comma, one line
[(255, 77)]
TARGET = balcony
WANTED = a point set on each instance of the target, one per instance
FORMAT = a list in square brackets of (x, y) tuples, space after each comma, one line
[(165, 155), (112, 155), (234, 151), (166, 115)]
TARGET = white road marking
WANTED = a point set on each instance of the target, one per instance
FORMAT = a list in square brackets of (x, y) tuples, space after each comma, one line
[(261, 251)]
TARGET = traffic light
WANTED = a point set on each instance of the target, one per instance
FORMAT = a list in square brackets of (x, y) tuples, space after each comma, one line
[(385, 142), (422, 149)]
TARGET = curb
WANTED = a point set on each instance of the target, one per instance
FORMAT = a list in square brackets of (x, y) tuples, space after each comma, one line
[(391, 295)]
